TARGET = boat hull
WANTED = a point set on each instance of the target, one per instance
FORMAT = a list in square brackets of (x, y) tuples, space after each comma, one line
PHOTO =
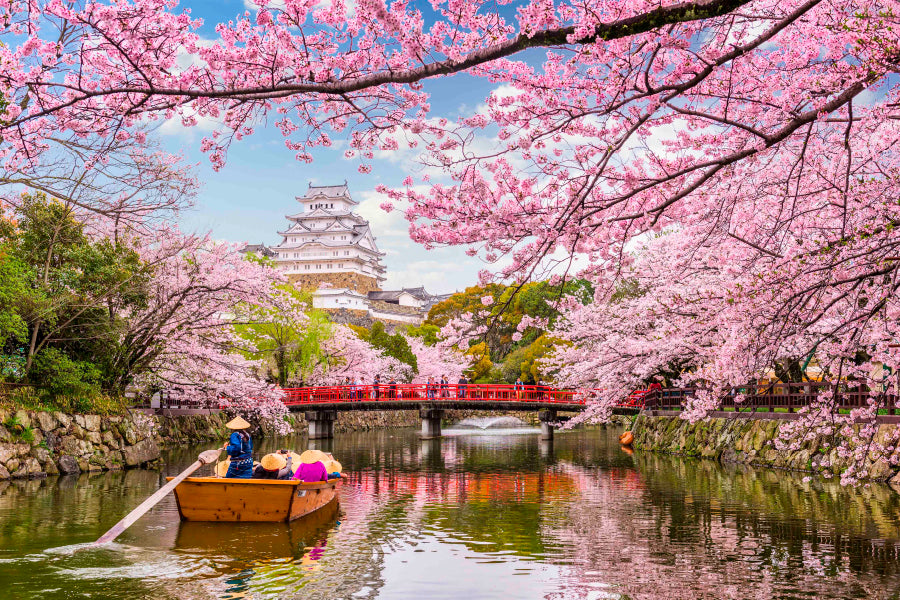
[(251, 500)]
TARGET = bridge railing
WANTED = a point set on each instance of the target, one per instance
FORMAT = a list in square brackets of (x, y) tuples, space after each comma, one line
[(424, 392), (776, 397)]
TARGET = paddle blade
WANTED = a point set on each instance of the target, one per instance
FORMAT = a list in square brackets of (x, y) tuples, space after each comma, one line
[(209, 456)]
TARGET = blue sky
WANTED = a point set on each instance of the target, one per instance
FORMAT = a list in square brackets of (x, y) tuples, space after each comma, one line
[(247, 200)]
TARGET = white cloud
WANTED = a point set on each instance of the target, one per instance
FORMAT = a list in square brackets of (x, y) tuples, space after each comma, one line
[(384, 224), (282, 5), (174, 126), (443, 274), (253, 5)]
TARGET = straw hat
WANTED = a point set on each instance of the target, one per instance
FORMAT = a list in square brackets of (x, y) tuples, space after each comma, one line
[(237, 423), (273, 462), (333, 466), (222, 468), (311, 456)]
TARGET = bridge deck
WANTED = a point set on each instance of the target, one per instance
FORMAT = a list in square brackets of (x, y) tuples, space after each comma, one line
[(448, 404)]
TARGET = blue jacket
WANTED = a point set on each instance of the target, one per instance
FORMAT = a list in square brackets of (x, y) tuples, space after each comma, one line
[(240, 446)]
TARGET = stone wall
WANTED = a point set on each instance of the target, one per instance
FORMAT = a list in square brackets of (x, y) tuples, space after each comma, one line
[(744, 441), (354, 281), (34, 444)]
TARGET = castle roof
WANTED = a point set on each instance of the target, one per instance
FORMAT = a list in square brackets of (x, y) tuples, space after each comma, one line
[(358, 234), (329, 191), (419, 293), (260, 249)]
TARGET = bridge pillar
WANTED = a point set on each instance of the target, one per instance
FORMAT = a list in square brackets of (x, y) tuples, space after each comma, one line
[(547, 417), (321, 424), (431, 422)]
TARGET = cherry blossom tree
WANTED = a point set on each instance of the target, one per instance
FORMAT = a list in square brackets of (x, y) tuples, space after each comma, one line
[(184, 341), (437, 360), (769, 124), (719, 321), (350, 356)]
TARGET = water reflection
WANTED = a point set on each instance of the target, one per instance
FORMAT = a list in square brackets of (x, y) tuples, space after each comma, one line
[(480, 516)]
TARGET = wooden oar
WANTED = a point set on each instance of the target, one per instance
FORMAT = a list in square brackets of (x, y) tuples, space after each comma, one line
[(205, 458)]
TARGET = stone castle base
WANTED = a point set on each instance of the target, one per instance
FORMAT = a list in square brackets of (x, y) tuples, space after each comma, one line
[(354, 281), (362, 318)]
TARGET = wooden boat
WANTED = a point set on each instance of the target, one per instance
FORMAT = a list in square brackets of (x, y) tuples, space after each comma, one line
[(243, 500)]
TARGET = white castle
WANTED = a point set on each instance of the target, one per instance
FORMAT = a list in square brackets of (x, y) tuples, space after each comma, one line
[(331, 250)]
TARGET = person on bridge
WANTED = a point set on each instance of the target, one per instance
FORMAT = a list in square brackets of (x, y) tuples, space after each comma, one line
[(519, 387), (355, 394), (445, 387), (376, 389), (239, 449), (392, 389), (461, 387), (430, 388)]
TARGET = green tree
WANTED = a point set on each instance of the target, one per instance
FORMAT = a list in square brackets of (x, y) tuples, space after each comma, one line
[(428, 332), (288, 332), (394, 345), (14, 278), (74, 290), (505, 347)]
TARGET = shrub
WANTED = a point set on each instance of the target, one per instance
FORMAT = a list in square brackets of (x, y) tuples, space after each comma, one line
[(59, 375)]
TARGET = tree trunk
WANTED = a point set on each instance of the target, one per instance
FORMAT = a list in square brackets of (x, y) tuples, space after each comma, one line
[(45, 279), (280, 360)]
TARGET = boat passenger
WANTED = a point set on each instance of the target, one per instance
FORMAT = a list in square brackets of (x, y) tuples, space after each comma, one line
[(240, 450), (333, 468), (274, 466), (312, 467)]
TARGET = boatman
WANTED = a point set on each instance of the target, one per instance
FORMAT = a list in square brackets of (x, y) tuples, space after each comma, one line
[(239, 449)]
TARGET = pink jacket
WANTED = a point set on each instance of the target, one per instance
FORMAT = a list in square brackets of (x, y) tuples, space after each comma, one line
[(312, 472)]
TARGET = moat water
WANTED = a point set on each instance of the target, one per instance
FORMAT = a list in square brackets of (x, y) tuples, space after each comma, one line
[(473, 515)]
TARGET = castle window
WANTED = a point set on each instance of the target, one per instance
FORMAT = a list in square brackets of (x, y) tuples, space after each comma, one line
[(346, 253), (329, 265), (307, 267), (318, 266)]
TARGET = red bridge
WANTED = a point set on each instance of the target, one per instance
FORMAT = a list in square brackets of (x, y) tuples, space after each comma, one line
[(322, 403)]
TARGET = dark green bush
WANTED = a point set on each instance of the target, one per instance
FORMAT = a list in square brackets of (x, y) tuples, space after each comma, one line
[(55, 374)]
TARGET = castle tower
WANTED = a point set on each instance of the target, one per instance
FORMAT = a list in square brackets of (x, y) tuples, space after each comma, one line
[(327, 243)]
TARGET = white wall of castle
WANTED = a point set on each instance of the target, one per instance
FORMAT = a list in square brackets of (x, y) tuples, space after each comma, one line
[(342, 298)]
